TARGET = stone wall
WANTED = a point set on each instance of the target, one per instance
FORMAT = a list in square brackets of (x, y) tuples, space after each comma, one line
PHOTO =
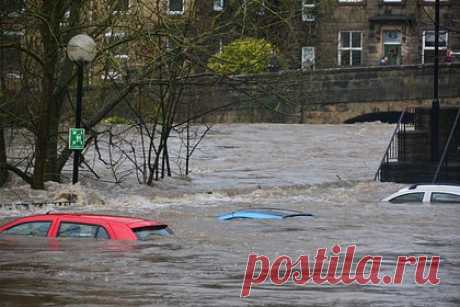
[(322, 96)]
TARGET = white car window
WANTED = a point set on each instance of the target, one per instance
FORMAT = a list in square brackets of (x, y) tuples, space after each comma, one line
[(416, 197), (437, 197)]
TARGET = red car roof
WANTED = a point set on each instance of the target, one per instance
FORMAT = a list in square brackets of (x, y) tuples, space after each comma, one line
[(120, 227), (126, 220)]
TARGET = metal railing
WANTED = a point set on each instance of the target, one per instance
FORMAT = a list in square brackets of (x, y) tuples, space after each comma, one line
[(443, 161), (397, 144)]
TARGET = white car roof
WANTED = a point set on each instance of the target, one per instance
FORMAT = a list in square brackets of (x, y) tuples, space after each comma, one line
[(432, 188), (425, 188)]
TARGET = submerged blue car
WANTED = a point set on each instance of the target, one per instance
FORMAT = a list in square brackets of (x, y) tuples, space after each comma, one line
[(263, 213)]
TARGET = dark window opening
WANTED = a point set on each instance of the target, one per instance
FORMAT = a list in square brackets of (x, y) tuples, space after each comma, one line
[(121, 6), (408, 198), (176, 6), (145, 233), (39, 229), (11, 7), (445, 198), (76, 230), (10, 57)]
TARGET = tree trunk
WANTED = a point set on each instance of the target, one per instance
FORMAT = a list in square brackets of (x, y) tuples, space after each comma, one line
[(50, 47), (52, 170), (3, 169), (41, 146)]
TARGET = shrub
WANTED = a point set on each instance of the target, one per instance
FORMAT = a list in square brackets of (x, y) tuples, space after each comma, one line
[(245, 55)]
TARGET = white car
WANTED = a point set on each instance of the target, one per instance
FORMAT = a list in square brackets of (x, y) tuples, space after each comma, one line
[(425, 193)]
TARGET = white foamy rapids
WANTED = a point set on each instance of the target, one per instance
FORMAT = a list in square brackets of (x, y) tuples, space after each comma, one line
[(234, 159)]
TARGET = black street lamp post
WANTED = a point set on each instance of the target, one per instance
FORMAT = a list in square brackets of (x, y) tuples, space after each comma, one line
[(77, 153), (81, 49), (435, 104)]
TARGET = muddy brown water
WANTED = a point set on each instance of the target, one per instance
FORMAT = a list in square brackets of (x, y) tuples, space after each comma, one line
[(203, 263)]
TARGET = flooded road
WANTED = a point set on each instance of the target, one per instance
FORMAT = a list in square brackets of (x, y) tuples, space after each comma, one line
[(323, 170)]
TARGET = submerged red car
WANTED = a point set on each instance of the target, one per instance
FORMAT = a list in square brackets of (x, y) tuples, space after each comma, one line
[(82, 225)]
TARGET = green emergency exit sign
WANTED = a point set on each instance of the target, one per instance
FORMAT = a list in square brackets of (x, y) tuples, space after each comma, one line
[(76, 138)]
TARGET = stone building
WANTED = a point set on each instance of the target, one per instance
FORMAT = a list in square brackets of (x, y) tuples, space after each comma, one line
[(308, 33), (335, 33), (361, 33)]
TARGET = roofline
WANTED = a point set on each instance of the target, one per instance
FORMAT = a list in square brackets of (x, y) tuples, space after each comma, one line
[(93, 214)]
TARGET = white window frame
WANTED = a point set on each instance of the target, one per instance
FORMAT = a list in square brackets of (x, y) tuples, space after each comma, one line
[(432, 48), (304, 64), (308, 6), (176, 12), (392, 1), (350, 1), (218, 5), (351, 48)]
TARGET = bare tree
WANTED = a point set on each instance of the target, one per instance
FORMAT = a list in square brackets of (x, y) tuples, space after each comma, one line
[(166, 54)]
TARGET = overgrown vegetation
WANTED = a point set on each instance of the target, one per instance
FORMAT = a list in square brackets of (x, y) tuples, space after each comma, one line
[(243, 56)]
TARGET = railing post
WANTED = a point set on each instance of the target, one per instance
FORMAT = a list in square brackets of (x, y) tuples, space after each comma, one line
[(391, 146), (446, 148)]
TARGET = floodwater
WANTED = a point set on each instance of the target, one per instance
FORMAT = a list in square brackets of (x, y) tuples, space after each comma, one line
[(324, 170)]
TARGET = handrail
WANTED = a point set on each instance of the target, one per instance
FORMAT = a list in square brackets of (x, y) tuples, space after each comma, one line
[(446, 147), (385, 155)]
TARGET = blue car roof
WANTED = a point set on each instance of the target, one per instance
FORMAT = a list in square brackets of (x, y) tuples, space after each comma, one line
[(262, 213)]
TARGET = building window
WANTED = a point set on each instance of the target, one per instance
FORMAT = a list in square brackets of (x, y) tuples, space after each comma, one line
[(176, 7), (121, 6), (120, 49), (11, 57), (13, 7), (169, 44), (218, 5), (308, 58), (350, 48), (428, 45), (65, 19), (308, 10), (392, 47), (261, 10), (117, 62)]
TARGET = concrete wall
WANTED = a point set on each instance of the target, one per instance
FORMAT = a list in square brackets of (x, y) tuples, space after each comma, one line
[(322, 96)]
